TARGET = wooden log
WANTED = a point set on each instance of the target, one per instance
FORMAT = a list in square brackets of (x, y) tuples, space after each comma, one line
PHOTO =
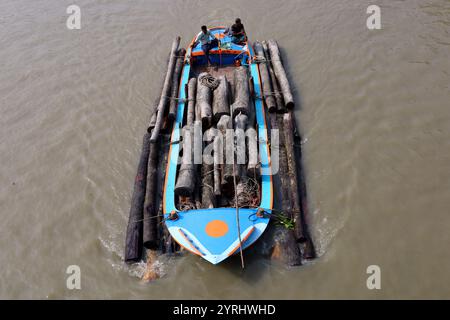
[(152, 120), (221, 99), (288, 132), (198, 143), (275, 86), (282, 177), (133, 244), (240, 171), (207, 173), (240, 125), (253, 167), (186, 176), (165, 241), (175, 84), (241, 92), (192, 90), (165, 91), (280, 74), (309, 251), (197, 194), (226, 129), (278, 242), (204, 96), (285, 248), (266, 84), (150, 238)]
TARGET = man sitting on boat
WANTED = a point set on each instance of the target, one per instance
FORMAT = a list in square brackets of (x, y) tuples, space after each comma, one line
[(238, 32), (208, 41)]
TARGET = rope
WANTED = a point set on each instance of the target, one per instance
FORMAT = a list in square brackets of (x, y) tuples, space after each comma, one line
[(184, 100), (209, 81), (145, 219)]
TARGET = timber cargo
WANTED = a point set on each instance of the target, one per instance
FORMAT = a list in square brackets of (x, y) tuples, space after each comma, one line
[(221, 159)]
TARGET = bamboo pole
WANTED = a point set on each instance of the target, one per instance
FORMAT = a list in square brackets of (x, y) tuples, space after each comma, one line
[(165, 91), (280, 74)]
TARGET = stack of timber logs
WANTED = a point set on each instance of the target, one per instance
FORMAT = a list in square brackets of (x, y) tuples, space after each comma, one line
[(220, 157), (275, 86), (291, 193)]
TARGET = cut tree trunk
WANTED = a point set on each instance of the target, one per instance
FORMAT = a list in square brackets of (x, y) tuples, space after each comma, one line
[(186, 176), (241, 92), (150, 238), (165, 91), (309, 251), (204, 97), (221, 99), (240, 170), (226, 130), (240, 125), (175, 84), (133, 244), (285, 248), (192, 90), (276, 88), (280, 74), (253, 167), (265, 78), (288, 132), (152, 121)]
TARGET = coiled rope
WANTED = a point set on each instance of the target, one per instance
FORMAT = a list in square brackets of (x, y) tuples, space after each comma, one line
[(209, 81)]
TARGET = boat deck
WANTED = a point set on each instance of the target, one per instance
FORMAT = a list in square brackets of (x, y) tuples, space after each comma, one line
[(215, 71)]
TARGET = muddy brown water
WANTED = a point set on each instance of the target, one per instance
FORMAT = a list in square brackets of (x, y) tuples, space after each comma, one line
[(373, 106)]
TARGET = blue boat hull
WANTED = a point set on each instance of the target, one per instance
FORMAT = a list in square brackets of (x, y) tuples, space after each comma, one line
[(213, 233)]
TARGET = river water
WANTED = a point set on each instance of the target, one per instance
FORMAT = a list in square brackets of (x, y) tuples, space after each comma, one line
[(374, 112)]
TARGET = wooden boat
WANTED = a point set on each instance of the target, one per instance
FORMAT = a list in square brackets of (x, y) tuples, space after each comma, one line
[(219, 232)]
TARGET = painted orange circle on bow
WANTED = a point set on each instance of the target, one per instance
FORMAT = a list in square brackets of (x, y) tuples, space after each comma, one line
[(216, 228)]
